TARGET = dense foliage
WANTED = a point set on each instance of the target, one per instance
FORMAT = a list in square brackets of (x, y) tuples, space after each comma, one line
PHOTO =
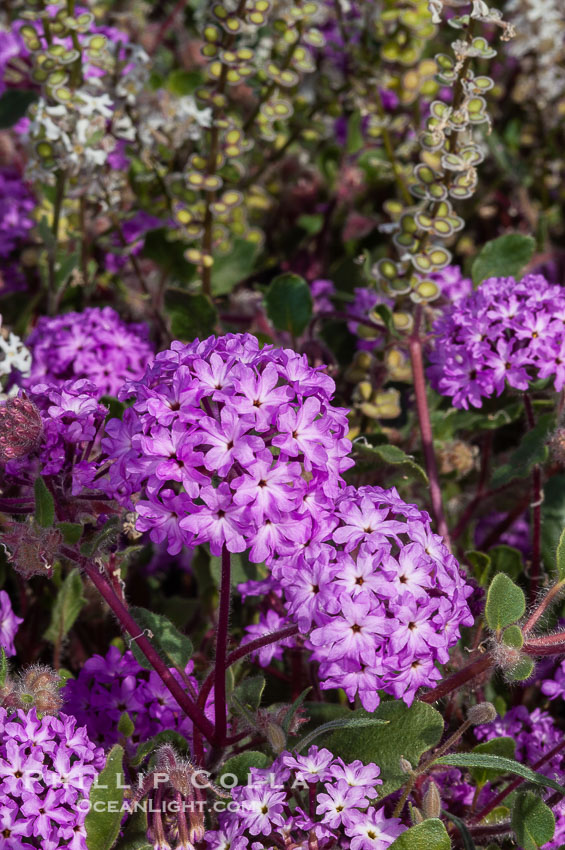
[(282, 434)]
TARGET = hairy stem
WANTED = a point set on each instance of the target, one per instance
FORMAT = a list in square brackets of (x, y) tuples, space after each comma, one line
[(476, 668), (136, 633), (221, 650)]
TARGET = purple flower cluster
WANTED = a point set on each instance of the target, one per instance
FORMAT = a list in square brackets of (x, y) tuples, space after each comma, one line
[(505, 333), (8, 624), (536, 734), (16, 206), (95, 344), (230, 444), (378, 593), (332, 806), (109, 685), (72, 418), (47, 767)]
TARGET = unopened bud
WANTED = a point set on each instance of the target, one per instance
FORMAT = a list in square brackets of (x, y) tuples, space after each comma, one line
[(39, 688), (431, 804), (415, 816), (21, 428), (405, 765), (32, 550), (484, 712), (276, 737), (457, 456)]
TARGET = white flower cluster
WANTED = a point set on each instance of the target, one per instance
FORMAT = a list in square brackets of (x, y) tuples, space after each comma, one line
[(540, 47), (14, 356)]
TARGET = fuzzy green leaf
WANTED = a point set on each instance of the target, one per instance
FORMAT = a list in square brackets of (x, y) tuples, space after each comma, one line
[(410, 732), (44, 504), (67, 607), (102, 827), (505, 603), (502, 765), (496, 746), (289, 303), (241, 764), (533, 821), (429, 835), (174, 648), (506, 256)]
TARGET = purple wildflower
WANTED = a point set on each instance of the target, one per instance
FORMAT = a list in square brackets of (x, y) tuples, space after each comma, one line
[(504, 334), (8, 624), (94, 344), (47, 767)]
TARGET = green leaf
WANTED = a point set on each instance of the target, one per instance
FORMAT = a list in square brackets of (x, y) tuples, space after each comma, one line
[(512, 636), (466, 837), (229, 270), (503, 257), (66, 264), (289, 303), (126, 725), (410, 733), (312, 224), (533, 821), (503, 765), (506, 559), (429, 835), (522, 670), (241, 764), (552, 519), (102, 827), (181, 82), (505, 603), (134, 832), (531, 452), (496, 746), (248, 693), (355, 140), (168, 736), (192, 316), (560, 557), (67, 607), (174, 648), (107, 536), (481, 564), (387, 453), (338, 723), (14, 104), (71, 531), (3, 667), (44, 504)]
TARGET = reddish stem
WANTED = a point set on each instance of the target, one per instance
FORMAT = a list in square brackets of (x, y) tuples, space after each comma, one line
[(136, 633), (241, 652), (221, 650), (475, 668), (417, 360)]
